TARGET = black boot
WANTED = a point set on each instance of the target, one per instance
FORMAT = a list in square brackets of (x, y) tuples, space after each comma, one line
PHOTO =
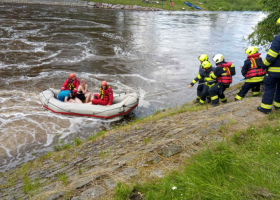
[(236, 99), (225, 101), (208, 100), (256, 95), (196, 101), (265, 111)]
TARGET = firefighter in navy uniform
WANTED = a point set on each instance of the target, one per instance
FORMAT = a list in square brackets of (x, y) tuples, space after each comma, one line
[(208, 81), (272, 79), (253, 73), (223, 73), (201, 58)]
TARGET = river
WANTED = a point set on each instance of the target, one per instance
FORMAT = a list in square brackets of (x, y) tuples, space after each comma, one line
[(146, 52)]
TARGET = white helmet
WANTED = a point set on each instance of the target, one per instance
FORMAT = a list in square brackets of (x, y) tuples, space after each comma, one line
[(218, 58)]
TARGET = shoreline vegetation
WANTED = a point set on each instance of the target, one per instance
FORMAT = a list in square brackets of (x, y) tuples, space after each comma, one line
[(179, 5)]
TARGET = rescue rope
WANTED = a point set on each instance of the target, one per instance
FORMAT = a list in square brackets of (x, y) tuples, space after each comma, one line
[(175, 89)]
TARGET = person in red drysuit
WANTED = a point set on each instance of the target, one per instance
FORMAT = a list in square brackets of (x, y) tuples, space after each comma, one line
[(72, 83), (105, 97)]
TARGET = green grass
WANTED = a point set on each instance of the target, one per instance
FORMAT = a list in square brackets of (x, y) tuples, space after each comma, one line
[(63, 178), (213, 5), (244, 167)]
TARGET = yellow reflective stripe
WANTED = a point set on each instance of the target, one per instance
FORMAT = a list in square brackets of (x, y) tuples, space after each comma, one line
[(232, 65), (193, 81), (198, 97), (208, 79), (266, 106), (255, 93), (213, 76), (201, 101), (276, 104), (255, 79), (198, 76), (238, 97), (253, 62), (266, 62), (214, 97), (274, 69), (272, 53), (224, 99)]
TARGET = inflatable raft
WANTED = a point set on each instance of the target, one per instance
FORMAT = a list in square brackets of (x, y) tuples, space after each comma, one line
[(123, 104)]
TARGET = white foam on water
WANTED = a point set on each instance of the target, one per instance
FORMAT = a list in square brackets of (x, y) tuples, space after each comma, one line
[(142, 102)]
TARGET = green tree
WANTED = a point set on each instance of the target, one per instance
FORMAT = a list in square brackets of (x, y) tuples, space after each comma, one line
[(266, 29)]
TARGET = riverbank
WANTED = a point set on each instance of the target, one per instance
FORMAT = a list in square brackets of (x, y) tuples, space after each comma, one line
[(216, 5), (152, 5), (135, 153)]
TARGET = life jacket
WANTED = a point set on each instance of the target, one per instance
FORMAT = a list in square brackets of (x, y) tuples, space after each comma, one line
[(71, 84), (104, 93), (226, 77), (254, 70)]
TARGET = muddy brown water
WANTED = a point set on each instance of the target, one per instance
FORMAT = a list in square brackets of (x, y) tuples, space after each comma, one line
[(146, 52)]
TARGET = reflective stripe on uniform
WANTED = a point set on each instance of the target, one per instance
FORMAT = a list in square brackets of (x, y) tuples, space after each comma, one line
[(272, 53), (210, 85), (255, 93), (266, 62), (213, 76), (208, 79), (266, 106), (198, 97), (238, 97), (201, 101), (276, 104), (255, 79), (224, 99), (198, 76), (193, 81), (214, 97), (274, 69)]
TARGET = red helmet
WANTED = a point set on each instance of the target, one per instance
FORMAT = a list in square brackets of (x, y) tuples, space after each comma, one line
[(72, 75), (103, 83)]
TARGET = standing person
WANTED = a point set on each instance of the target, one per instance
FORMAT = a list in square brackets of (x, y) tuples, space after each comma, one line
[(209, 82), (201, 58), (171, 3), (272, 79), (223, 73), (83, 93), (72, 83), (253, 73), (105, 97)]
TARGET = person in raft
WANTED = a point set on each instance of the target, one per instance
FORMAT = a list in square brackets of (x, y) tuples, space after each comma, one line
[(105, 97), (68, 96), (83, 93), (72, 83)]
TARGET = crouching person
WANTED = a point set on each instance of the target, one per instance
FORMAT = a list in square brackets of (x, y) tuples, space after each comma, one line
[(68, 96), (207, 83), (253, 73), (223, 73), (105, 97)]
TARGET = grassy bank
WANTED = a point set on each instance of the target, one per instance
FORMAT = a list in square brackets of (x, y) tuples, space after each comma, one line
[(212, 5), (244, 167)]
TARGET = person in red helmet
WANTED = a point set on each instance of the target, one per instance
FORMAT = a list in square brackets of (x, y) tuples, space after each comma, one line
[(72, 83), (105, 97)]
